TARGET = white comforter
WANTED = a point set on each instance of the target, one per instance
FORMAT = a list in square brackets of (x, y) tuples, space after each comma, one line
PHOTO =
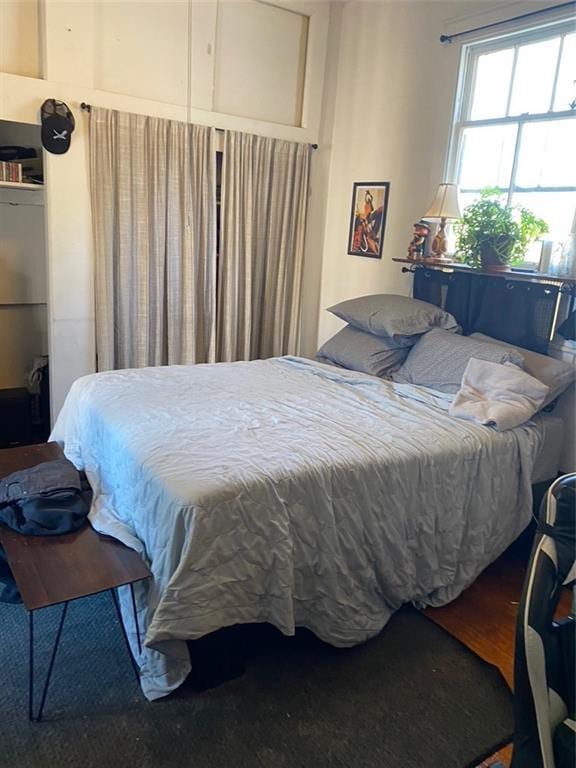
[(289, 492)]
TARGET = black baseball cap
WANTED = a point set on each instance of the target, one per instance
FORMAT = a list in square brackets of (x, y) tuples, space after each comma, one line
[(57, 126)]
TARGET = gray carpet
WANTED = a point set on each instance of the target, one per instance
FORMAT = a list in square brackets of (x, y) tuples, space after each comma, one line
[(412, 698)]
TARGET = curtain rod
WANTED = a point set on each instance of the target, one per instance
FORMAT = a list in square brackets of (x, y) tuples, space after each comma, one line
[(449, 38), (88, 108)]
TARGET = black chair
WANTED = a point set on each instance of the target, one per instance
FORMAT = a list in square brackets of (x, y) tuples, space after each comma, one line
[(544, 670)]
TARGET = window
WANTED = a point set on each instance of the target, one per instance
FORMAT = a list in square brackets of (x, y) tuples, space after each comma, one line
[(515, 124)]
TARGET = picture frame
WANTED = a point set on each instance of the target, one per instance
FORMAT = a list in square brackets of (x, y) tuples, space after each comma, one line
[(368, 218)]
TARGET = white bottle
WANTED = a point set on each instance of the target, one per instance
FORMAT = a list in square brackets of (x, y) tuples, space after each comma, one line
[(564, 265)]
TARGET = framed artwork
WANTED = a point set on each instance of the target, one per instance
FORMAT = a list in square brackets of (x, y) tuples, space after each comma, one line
[(368, 218)]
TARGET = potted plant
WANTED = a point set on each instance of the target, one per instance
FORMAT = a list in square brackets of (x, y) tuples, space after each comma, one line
[(492, 235)]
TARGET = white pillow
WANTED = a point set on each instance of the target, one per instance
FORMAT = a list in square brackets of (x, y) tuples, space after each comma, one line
[(498, 395), (556, 374)]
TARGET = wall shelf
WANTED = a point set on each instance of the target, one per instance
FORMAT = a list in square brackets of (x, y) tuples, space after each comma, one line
[(23, 304), (20, 185), (513, 274)]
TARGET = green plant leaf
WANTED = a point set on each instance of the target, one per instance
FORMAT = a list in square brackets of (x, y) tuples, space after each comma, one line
[(489, 225)]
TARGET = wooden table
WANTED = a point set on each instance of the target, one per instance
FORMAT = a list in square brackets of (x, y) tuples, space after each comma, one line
[(52, 570)]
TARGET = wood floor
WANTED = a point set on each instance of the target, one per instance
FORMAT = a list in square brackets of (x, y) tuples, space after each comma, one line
[(484, 616)]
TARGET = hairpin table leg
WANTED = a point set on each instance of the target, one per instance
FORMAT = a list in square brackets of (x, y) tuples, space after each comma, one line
[(31, 716), (31, 665), (136, 618), (122, 627)]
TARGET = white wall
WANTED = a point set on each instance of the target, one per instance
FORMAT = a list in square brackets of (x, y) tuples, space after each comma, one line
[(395, 92), (392, 123), (77, 51), (19, 37), (183, 53), (278, 37)]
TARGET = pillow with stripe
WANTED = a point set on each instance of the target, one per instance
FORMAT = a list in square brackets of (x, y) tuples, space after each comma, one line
[(399, 318), (438, 360), (359, 351)]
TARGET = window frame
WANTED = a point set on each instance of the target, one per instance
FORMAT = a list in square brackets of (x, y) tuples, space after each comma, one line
[(470, 55)]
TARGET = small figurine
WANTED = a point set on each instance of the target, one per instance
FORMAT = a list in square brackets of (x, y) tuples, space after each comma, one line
[(418, 242)]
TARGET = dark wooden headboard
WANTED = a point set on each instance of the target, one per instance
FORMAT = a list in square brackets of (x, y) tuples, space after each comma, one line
[(514, 310)]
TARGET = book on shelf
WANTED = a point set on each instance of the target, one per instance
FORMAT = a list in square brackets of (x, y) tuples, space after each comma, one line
[(10, 172)]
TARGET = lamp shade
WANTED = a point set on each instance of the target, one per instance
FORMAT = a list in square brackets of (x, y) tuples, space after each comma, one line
[(445, 204)]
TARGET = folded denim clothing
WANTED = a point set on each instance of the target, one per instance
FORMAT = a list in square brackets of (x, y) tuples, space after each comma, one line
[(45, 500), (43, 478)]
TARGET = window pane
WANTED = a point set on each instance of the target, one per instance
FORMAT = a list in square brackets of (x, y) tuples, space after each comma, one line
[(493, 71), (467, 198), (486, 157), (534, 77), (566, 86), (556, 208), (547, 157)]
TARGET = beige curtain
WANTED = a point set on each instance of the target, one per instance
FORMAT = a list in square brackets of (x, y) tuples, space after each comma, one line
[(153, 185), (264, 200)]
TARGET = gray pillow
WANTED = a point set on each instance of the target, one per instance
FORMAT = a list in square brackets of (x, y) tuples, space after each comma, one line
[(359, 351), (397, 317), (556, 374), (438, 360)]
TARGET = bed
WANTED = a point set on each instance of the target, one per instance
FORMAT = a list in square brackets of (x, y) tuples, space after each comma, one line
[(292, 492)]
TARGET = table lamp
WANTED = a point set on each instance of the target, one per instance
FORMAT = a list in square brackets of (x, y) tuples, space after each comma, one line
[(444, 206)]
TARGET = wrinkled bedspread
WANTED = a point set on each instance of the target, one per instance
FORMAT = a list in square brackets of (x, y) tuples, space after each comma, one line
[(290, 492)]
